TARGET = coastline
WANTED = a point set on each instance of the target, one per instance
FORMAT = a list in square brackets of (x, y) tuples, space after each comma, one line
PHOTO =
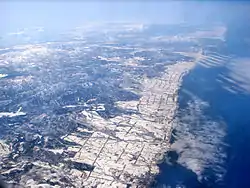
[(125, 150)]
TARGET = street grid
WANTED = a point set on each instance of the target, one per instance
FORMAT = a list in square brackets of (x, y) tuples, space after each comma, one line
[(125, 149)]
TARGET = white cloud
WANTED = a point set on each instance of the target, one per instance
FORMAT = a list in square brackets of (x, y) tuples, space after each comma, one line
[(199, 141), (239, 76)]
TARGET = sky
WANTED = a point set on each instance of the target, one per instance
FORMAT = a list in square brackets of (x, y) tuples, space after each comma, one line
[(62, 14)]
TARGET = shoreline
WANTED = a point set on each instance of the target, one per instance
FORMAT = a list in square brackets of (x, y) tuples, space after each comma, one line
[(125, 150)]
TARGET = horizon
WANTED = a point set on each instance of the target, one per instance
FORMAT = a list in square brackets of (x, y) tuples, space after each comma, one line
[(66, 15)]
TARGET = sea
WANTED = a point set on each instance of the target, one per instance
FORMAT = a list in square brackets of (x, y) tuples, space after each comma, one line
[(211, 136)]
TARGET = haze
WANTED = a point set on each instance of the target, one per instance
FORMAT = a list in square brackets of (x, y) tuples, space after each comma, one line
[(60, 14)]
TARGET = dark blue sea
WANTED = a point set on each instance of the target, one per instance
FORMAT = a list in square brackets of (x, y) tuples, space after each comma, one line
[(211, 139)]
